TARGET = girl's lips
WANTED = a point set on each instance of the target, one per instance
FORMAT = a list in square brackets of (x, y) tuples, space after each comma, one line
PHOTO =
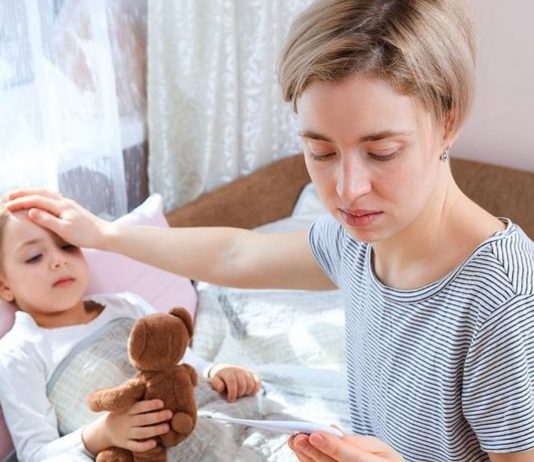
[(360, 218), (63, 282)]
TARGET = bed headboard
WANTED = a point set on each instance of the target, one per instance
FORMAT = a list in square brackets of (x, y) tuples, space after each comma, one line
[(270, 193)]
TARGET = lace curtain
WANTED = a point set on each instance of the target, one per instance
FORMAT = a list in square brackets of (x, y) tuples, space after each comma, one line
[(215, 109), (72, 80)]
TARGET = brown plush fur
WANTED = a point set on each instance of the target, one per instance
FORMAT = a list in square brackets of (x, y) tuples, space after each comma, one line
[(156, 343)]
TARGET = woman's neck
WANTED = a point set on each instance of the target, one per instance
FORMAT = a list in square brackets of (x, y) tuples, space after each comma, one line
[(443, 235)]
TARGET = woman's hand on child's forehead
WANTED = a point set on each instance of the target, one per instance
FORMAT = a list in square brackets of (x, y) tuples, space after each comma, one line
[(63, 216), (33, 198), (16, 193)]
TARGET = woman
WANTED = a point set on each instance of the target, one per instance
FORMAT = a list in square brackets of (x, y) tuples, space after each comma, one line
[(439, 293)]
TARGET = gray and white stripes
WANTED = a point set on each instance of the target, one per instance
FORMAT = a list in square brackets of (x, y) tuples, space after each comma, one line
[(445, 372)]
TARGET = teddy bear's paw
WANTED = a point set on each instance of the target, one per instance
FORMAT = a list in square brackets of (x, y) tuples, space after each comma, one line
[(182, 423), (157, 454), (114, 455)]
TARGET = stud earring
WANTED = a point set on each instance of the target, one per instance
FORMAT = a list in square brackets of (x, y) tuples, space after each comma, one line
[(445, 156)]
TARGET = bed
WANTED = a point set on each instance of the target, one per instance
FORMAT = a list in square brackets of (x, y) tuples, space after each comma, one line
[(294, 339)]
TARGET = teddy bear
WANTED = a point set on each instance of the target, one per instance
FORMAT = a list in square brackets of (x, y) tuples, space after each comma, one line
[(155, 345)]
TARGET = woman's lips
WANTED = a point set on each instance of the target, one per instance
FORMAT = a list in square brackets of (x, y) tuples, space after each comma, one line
[(63, 282), (359, 218)]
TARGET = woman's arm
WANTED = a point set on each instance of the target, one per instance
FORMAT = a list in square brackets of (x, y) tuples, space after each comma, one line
[(523, 456), (224, 256)]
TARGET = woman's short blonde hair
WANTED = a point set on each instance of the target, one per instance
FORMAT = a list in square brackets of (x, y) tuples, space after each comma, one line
[(422, 48)]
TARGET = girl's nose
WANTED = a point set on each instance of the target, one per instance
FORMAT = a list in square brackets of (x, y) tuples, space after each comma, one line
[(58, 261)]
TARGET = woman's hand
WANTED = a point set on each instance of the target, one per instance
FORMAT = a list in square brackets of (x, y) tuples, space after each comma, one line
[(323, 447), (234, 380), (63, 216), (134, 430)]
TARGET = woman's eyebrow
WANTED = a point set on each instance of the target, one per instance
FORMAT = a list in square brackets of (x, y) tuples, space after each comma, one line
[(371, 137), (385, 134), (313, 136)]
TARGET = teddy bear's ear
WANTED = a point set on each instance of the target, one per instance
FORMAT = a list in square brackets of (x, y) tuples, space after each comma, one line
[(184, 315)]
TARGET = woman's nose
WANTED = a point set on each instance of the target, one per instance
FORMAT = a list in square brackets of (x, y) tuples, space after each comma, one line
[(353, 180)]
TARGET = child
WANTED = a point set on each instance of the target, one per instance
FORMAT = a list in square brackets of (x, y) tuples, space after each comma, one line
[(46, 278)]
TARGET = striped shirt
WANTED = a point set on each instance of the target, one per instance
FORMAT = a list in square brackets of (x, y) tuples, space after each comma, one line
[(444, 372)]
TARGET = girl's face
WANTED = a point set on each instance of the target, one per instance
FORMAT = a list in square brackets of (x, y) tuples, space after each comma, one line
[(372, 153), (40, 272)]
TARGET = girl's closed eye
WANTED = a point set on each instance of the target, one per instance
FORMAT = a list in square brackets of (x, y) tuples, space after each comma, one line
[(68, 247), (34, 258)]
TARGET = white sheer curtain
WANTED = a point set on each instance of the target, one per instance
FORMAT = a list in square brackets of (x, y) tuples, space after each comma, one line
[(63, 95), (215, 110)]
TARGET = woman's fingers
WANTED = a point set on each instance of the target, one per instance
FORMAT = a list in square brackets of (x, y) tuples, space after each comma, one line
[(50, 204), (323, 447), (304, 447), (16, 193)]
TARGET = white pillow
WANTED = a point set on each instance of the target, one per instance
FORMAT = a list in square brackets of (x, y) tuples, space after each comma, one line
[(308, 203), (111, 273), (307, 209)]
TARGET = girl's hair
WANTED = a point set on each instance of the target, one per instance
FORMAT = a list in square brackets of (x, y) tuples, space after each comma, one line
[(422, 48), (4, 214)]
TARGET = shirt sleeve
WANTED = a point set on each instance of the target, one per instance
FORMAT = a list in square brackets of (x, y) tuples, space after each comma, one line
[(30, 416), (498, 383), (326, 239), (199, 364)]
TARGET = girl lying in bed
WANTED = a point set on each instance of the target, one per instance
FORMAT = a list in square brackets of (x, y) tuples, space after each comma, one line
[(64, 345)]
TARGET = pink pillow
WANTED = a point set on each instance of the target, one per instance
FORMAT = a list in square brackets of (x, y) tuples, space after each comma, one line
[(110, 273)]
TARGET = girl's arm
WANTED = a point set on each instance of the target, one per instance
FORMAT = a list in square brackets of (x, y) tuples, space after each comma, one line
[(225, 256), (29, 415), (33, 423), (143, 421)]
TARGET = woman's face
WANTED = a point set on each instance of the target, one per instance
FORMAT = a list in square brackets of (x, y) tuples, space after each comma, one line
[(372, 153)]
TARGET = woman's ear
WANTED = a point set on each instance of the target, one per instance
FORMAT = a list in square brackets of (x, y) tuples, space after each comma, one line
[(450, 133), (5, 292)]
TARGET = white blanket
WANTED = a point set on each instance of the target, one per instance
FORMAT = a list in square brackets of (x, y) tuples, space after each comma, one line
[(292, 339)]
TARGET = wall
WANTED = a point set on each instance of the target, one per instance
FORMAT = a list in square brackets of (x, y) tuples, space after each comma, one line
[(500, 129)]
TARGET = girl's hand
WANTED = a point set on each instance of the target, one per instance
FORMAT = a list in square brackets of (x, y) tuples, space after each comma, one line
[(134, 430), (63, 216), (234, 380), (323, 447)]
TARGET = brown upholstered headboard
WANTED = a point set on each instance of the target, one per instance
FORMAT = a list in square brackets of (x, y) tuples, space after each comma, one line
[(270, 193)]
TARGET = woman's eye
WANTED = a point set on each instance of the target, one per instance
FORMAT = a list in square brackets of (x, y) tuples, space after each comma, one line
[(383, 157), (34, 259), (68, 247), (322, 157)]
